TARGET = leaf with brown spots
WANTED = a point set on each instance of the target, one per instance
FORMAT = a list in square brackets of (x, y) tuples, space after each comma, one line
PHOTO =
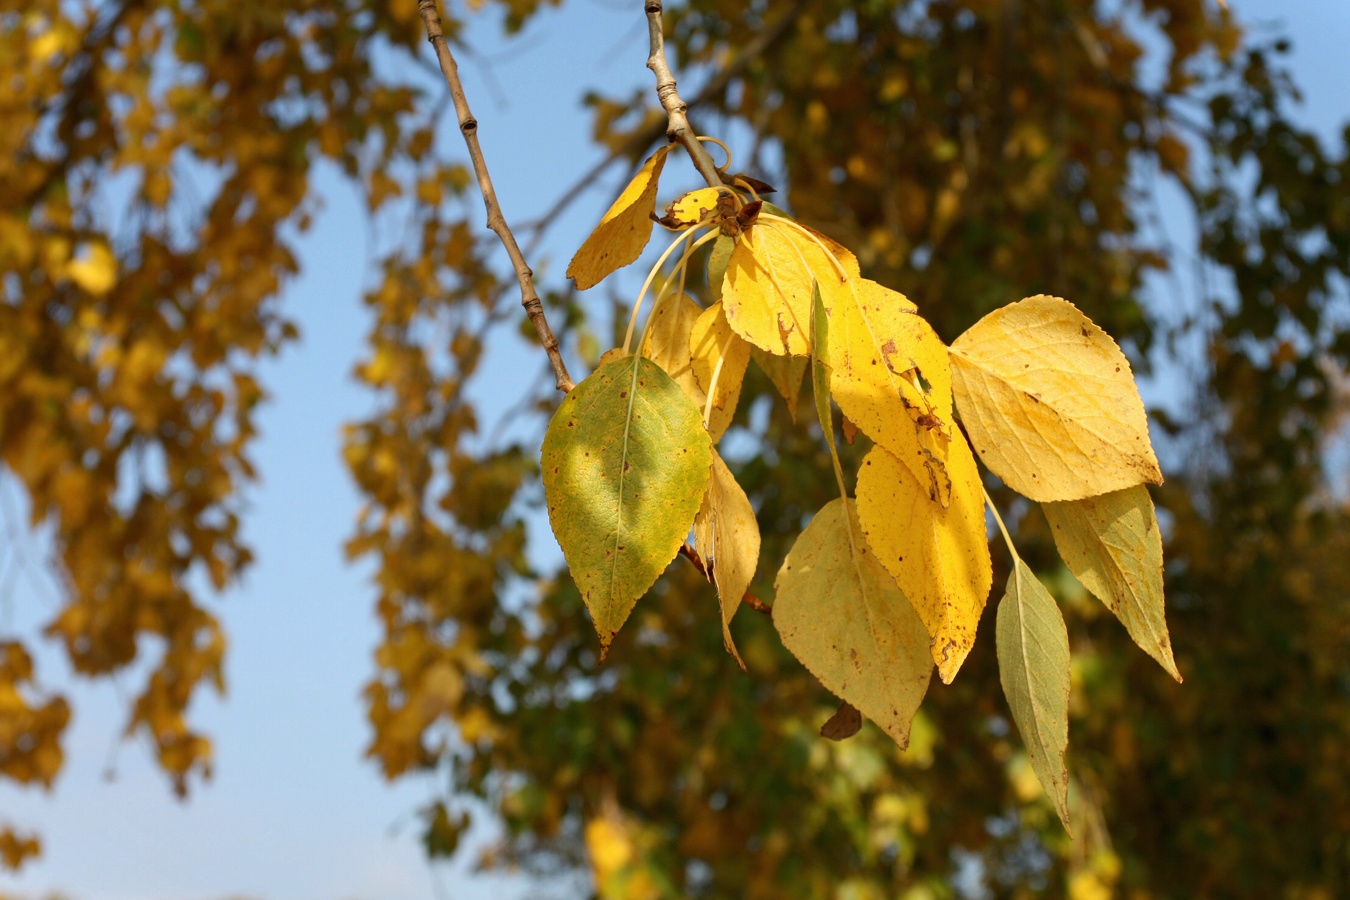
[(625, 229)]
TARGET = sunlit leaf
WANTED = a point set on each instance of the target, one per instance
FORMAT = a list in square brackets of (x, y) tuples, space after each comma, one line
[(625, 462), (1050, 403), (624, 230), (1112, 545), (667, 341), (891, 377), (843, 617), (699, 206), (95, 270), (1033, 664), (727, 535), (939, 557)]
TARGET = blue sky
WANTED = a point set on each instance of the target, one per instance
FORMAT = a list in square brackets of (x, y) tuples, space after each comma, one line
[(293, 811)]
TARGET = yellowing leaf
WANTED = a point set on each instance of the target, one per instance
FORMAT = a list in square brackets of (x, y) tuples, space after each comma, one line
[(625, 229), (767, 287), (625, 464), (939, 557), (1050, 404), (1112, 545), (1033, 664), (699, 206), (727, 534), (843, 617), (667, 341), (95, 270), (787, 374), (719, 359), (891, 377)]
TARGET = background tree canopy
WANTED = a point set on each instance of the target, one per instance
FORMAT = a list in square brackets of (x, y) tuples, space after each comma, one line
[(972, 153)]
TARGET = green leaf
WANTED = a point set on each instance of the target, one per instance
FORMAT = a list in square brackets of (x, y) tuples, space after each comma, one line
[(718, 257), (820, 379), (626, 462), (840, 613), (1033, 664), (1112, 545)]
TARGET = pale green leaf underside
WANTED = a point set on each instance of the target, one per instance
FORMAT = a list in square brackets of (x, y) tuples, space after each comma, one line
[(1033, 664), (1112, 545), (625, 465), (845, 619)]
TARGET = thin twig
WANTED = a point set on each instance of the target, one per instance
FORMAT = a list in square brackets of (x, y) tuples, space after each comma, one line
[(468, 126), (678, 129), (705, 569)]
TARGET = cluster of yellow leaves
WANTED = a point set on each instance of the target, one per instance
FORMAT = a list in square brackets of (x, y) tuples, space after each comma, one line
[(887, 582)]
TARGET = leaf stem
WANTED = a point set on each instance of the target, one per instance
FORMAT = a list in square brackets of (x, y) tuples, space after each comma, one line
[(642, 295), (705, 569), (988, 501), (468, 127)]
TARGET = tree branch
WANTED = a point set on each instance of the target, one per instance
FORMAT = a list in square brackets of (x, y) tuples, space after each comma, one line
[(678, 129), (468, 126)]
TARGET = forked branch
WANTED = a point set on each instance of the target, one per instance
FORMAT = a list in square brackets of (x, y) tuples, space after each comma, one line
[(468, 126)]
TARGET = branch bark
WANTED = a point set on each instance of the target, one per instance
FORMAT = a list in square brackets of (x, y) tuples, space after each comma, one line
[(678, 129), (468, 126)]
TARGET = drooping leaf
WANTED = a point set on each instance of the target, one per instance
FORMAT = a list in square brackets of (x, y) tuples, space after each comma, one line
[(1112, 545), (892, 378), (625, 463), (727, 535), (718, 257), (787, 374), (844, 618), (939, 557), (667, 341), (820, 381), (1033, 664), (719, 359), (624, 230), (1050, 403), (767, 286)]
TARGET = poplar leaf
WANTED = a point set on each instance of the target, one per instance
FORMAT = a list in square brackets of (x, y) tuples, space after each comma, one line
[(1033, 664), (718, 257), (767, 286), (787, 373), (892, 378), (699, 206), (939, 557), (727, 534), (844, 618), (844, 724), (625, 229), (712, 343), (1112, 545), (625, 463), (667, 342), (1050, 403)]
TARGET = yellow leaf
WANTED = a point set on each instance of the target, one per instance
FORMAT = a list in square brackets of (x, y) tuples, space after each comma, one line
[(667, 342), (845, 619), (767, 286), (891, 377), (625, 229), (727, 534), (699, 206), (1050, 403), (1112, 545), (713, 346), (939, 557), (95, 270)]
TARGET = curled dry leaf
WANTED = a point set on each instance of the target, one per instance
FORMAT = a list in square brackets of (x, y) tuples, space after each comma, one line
[(624, 230), (1050, 403), (844, 724)]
